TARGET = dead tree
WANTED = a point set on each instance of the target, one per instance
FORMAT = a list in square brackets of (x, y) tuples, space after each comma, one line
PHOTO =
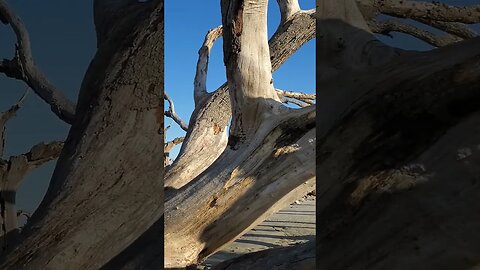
[(378, 111), (385, 126), (107, 187)]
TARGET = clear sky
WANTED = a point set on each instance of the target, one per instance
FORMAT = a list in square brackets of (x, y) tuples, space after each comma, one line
[(63, 43), (185, 29)]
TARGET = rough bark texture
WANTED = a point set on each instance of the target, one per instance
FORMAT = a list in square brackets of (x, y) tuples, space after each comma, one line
[(394, 130), (207, 135), (267, 163), (12, 173), (385, 169), (211, 211), (107, 186)]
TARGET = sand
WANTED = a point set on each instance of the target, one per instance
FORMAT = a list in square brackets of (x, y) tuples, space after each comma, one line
[(292, 225)]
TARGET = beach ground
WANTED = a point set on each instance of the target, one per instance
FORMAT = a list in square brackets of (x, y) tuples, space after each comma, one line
[(291, 225)]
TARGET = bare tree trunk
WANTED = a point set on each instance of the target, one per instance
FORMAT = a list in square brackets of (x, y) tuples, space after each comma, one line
[(253, 177), (207, 136), (107, 186), (394, 128)]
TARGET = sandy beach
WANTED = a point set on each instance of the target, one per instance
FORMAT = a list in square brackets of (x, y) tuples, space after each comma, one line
[(294, 224)]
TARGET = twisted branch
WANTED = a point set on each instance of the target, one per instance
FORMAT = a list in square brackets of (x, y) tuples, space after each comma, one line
[(386, 27), (22, 67), (11, 176), (200, 83)]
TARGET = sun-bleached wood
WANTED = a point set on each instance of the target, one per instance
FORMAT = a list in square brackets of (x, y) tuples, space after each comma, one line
[(107, 187)]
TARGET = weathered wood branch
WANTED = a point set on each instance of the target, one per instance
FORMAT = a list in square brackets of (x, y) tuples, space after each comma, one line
[(457, 29), (261, 137), (421, 10), (307, 98), (11, 176), (173, 114), (169, 145), (206, 136), (415, 207), (167, 148), (23, 68), (388, 26), (5, 117), (297, 102), (287, 9), (200, 83), (377, 148), (277, 166), (434, 14), (297, 98)]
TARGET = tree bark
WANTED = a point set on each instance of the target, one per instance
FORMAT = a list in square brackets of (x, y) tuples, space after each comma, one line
[(379, 135), (107, 186), (207, 136), (268, 145)]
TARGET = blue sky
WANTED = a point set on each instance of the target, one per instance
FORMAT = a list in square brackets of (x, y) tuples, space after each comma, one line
[(63, 43), (185, 29)]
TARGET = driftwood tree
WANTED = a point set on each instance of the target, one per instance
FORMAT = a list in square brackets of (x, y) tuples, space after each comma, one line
[(383, 114), (13, 171), (397, 139), (107, 187), (396, 135)]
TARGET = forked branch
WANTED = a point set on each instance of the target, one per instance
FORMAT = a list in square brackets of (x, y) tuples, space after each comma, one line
[(422, 10), (457, 29), (22, 67), (287, 9), (171, 144), (200, 83), (449, 19), (12, 175), (300, 99)]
